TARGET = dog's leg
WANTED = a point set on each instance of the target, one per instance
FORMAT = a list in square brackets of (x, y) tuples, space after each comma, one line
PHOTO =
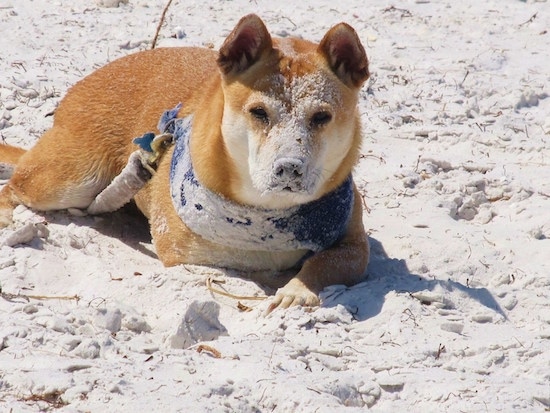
[(344, 263), (61, 171), (141, 166), (124, 187), (171, 238)]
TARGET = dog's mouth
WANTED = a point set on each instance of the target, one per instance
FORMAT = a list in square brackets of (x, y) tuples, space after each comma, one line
[(285, 194), (290, 176), (294, 187), (295, 190)]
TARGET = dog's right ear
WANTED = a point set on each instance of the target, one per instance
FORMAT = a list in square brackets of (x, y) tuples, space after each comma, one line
[(245, 45)]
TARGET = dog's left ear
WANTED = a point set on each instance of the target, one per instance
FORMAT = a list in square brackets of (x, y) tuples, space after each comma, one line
[(345, 54), (245, 45)]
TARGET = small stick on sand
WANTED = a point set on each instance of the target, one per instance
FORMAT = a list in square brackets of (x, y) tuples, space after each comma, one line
[(154, 44)]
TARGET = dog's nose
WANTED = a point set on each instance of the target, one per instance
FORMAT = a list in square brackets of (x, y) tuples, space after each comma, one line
[(288, 169)]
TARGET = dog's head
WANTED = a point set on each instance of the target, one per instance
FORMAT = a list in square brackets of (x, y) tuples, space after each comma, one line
[(290, 120)]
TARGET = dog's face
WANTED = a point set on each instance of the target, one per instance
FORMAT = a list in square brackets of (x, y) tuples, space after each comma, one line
[(290, 122)]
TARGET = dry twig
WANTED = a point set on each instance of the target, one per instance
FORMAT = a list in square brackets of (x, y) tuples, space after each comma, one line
[(209, 282), (211, 350), (53, 399), (440, 350), (161, 22), (27, 297), (531, 19)]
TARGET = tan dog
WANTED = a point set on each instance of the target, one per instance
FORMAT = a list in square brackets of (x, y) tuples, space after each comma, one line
[(274, 132)]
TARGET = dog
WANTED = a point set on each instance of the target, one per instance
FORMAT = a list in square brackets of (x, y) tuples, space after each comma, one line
[(252, 171)]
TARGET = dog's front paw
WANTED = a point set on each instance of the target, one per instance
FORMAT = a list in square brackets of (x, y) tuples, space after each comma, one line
[(294, 293)]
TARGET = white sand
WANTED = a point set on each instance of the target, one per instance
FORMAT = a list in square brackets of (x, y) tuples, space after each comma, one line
[(455, 313)]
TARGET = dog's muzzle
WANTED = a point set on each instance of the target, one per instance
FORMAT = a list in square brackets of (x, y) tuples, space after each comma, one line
[(289, 174)]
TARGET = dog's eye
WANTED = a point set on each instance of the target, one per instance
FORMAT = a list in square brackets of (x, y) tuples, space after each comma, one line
[(320, 118), (260, 114)]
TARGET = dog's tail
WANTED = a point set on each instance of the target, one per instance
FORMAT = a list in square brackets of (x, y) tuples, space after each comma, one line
[(9, 156)]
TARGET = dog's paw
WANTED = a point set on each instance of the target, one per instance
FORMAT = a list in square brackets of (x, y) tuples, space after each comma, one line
[(294, 293)]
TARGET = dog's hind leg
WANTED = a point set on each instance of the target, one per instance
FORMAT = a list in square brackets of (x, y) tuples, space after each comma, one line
[(60, 172)]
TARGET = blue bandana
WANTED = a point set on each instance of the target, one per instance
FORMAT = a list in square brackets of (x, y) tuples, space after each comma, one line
[(314, 226)]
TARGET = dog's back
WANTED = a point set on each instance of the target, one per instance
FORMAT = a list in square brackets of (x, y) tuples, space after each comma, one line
[(133, 91)]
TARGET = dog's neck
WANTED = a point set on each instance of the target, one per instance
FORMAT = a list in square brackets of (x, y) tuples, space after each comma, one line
[(313, 226), (215, 172)]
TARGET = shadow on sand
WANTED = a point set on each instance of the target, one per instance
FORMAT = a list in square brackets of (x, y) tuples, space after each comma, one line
[(385, 275), (127, 225)]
